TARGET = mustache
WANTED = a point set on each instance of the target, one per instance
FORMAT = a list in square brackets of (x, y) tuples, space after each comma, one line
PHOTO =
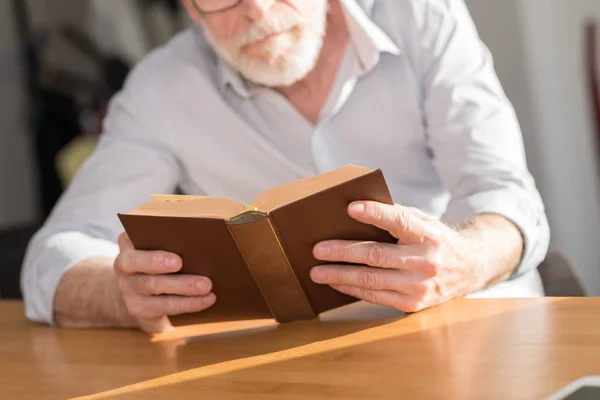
[(277, 21)]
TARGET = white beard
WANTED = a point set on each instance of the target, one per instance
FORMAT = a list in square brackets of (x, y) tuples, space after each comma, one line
[(286, 58)]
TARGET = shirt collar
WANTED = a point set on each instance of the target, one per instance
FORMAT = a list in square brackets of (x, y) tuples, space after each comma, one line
[(230, 76), (368, 40)]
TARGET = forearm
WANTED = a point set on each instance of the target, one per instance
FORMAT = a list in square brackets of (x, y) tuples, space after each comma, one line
[(499, 247), (88, 297)]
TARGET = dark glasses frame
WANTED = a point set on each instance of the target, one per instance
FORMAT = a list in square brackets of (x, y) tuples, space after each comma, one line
[(220, 10)]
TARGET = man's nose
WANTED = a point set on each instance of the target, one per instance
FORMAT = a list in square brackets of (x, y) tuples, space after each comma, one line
[(256, 9)]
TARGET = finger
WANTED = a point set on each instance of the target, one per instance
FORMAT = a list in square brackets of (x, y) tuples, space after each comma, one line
[(124, 242), (183, 285), (155, 325), (385, 298), (375, 254), (396, 219), (159, 306), (417, 212), (131, 262), (361, 276), (372, 278)]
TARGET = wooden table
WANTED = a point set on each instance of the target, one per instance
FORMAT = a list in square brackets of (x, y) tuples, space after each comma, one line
[(466, 349)]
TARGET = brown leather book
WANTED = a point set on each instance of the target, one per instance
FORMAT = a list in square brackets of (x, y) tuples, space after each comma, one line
[(259, 256)]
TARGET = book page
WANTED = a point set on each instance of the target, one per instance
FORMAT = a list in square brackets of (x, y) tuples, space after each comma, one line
[(190, 206), (169, 198), (294, 191)]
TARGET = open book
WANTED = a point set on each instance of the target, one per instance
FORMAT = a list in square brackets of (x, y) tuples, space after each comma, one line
[(259, 256)]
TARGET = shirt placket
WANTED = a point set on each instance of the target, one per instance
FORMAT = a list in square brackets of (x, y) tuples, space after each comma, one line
[(346, 80)]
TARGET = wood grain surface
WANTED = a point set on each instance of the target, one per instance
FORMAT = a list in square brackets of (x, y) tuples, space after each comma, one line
[(465, 349)]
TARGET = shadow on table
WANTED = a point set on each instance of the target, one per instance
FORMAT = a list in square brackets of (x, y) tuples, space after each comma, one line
[(210, 344), (464, 349), (73, 362)]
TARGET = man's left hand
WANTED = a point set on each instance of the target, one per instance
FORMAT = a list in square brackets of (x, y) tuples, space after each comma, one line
[(431, 263)]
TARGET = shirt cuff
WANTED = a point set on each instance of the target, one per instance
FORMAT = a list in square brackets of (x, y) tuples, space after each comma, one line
[(48, 259), (525, 211)]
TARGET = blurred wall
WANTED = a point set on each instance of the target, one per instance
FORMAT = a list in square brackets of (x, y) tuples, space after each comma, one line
[(17, 179), (18, 185), (539, 55)]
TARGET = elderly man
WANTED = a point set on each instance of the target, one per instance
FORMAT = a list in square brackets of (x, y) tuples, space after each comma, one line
[(263, 92)]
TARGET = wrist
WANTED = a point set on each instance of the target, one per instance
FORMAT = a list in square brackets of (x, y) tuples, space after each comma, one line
[(87, 296), (478, 261), (496, 248)]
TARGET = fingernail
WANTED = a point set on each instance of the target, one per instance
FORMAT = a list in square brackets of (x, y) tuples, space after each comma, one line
[(172, 262), (356, 208), (322, 250), (203, 284), (209, 298), (317, 275)]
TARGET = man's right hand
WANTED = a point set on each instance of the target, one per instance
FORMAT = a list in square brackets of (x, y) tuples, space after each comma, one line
[(150, 289)]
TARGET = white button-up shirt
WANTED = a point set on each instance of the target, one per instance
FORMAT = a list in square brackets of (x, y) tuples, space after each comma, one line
[(416, 95)]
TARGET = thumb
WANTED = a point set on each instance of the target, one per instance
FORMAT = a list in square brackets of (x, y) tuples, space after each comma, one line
[(155, 325)]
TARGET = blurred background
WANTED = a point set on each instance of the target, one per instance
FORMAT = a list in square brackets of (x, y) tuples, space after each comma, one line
[(62, 60)]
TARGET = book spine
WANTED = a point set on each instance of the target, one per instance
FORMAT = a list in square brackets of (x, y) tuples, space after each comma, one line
[(267, 261)]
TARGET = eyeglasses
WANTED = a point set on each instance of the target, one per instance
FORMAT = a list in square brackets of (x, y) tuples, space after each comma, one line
[(215, 6)]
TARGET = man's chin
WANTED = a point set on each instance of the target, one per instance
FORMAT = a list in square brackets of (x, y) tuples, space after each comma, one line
[(272, 76), (281, 65), (273, 69), (267, 56)]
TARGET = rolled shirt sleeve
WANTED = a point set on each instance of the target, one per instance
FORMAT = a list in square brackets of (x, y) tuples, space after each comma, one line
[(51, 254), (128, 164), (472, 128)]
